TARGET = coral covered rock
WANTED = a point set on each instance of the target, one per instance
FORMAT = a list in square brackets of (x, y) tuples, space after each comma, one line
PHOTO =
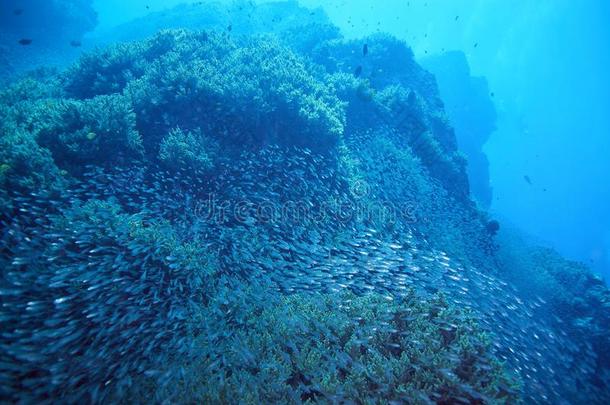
[(203, 216)]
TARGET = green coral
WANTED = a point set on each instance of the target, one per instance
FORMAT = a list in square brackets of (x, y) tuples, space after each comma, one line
[(255, 89), (35, 115), (97, 130), (258, 91), (25, 166), (190, 150), (23, 103), (109, 70), (403, 115), (389, 62), (324, 348)]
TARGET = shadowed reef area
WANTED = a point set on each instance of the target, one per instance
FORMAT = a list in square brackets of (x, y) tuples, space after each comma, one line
[(254, 210)]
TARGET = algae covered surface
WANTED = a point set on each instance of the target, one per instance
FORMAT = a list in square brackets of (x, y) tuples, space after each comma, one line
[(254, 213)]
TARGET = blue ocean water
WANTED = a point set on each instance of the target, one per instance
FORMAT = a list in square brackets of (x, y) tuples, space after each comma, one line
[(304, 201)]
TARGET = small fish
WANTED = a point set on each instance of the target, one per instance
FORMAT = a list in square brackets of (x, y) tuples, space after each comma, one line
[(18, 11), (230, 28), (25, 41), (75, 43), (365, 49), (527, 179), (358, 71)]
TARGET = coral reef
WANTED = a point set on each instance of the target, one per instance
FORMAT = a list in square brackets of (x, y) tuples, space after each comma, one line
[(207, 216), (389, 61), (329, 348), (25, 166), (211, 82), (403, 98)]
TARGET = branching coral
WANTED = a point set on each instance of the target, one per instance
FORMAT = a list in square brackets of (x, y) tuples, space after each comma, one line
[(389, 61), (98, 130), (324, 348), (257, 92), (109, 70), (24, 166), (403, 114), (188, 150)]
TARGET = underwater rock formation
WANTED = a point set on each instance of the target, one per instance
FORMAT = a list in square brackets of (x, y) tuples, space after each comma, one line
[(202, 216), (469, 106)]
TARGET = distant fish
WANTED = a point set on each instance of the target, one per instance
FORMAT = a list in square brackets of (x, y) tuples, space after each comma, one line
[(25, 41), (18, 11), (358, 71), (365, 49), (527, 179), (75, 43), (457, 17), (492, 94), (230, 28), (476, 44)]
